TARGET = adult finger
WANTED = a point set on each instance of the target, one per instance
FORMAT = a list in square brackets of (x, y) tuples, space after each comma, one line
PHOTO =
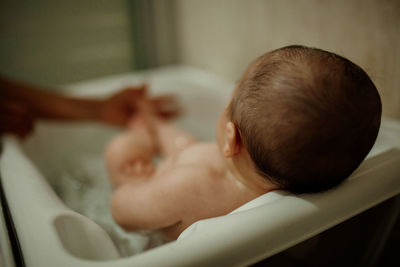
[(135, 91), (166, 105)]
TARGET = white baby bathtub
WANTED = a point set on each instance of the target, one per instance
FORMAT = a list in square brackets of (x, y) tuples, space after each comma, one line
[(43, 231)]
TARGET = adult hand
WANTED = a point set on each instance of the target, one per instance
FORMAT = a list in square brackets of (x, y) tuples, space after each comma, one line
[(21, 105), (119, 108), (122, 106), (16, 118), (165, 106)]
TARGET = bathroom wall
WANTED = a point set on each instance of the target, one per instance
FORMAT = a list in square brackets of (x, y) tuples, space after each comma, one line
[(223, 36), (55, 42)]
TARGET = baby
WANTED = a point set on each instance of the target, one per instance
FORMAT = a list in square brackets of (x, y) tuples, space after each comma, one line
[(300, 119)]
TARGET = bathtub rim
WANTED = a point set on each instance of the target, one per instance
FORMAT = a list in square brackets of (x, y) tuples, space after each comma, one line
[(182, 257), (201, 236)]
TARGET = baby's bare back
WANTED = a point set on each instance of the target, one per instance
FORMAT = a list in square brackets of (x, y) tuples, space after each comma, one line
[(190, 184), (199, 180)]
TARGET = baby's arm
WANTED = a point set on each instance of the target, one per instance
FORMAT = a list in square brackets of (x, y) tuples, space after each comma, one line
[(130, 155), (170, 138), (157, 203)]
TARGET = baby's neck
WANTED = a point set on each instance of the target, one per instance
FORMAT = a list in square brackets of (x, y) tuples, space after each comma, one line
[(240, 169)]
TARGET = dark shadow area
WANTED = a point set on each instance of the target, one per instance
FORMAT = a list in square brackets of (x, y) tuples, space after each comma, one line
[(369, 239)]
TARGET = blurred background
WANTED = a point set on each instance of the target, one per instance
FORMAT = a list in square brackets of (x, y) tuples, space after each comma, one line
[(59, 42)]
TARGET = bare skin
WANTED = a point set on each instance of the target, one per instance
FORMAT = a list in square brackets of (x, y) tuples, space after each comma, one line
[(22, 104), (194, 181)]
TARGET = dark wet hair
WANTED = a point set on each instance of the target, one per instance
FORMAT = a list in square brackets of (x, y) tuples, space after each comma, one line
[(307, 117)]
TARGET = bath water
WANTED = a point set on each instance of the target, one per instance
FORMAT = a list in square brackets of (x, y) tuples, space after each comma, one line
[(84, 187), (70, 157)]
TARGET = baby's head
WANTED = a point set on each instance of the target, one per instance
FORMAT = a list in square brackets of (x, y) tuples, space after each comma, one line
[(306, 117)]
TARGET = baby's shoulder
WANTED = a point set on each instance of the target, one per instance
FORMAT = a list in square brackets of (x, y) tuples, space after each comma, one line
[(200, 153), (202, 147), (196, 164)]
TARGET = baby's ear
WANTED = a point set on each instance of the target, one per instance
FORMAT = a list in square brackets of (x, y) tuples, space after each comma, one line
[(232, 140)]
